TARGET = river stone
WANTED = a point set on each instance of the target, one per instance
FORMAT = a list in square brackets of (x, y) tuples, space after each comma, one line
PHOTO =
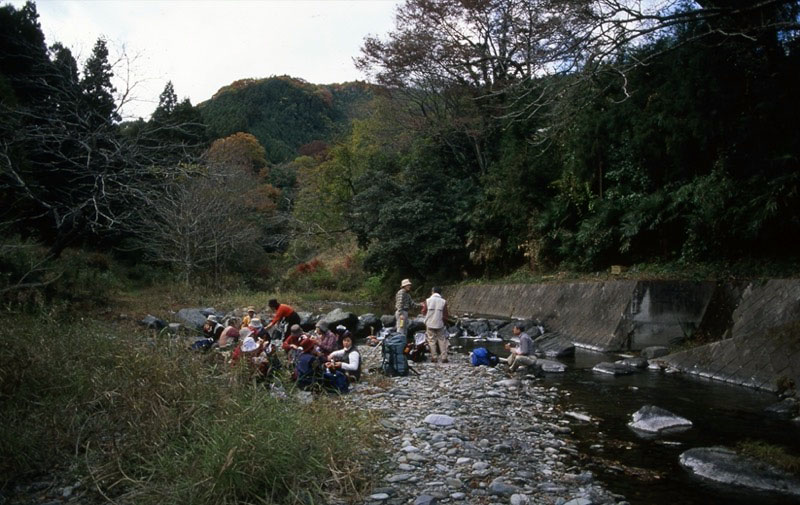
[(720, 464), (153, 322), (475, 326), (787, 408), (379, 496), (425, 499), (551, 366), (174, 328), (338, 316), (399, 477), (609, 368), (388, 321), (639, 363), (498, 487), (554, 345), (655, 351), (579, 501), (508, 383), (654, 420), (519, 499), (416, 324), (439, 420), (192, 318)]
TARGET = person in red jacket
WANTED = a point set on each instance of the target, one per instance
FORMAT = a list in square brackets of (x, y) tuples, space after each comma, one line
[(283, 312)]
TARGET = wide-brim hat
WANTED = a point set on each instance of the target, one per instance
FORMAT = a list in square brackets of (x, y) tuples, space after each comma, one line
[(245, 332), (249, 345), (211, 317), (255, 323), (406, 282), (250, 309), (323, 326), (296, 329)]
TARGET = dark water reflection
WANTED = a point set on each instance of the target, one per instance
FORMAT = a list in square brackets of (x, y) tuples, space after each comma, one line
[(647, 471)]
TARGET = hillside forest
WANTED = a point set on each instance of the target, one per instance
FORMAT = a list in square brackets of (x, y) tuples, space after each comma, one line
[(490, 137)]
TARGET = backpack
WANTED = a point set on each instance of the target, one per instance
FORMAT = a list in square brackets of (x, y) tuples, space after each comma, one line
[(483, 356), (394, 360)]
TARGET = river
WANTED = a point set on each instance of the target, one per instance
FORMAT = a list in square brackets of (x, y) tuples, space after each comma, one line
[(646, 471)]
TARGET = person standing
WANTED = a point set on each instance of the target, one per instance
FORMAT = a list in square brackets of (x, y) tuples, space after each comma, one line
[(283, 312), (435, 312), (402, 304), (523, 353)]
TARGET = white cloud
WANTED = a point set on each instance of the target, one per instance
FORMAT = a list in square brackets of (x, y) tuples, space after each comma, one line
[(204, 45)]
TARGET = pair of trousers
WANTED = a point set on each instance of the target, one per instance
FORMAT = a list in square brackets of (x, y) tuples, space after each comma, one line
[(438, 342), (517, 360)]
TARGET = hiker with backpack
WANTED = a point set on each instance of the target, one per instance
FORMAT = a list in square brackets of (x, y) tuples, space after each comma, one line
[(435, 311)]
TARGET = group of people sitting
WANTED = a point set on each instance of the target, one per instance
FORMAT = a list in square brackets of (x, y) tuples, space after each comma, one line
[(324, 356)]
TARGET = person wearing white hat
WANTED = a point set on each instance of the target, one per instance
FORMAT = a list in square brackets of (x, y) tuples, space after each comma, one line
[(402, 304)]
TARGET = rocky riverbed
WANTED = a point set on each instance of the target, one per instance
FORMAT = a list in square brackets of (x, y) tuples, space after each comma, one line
[(462, 434)]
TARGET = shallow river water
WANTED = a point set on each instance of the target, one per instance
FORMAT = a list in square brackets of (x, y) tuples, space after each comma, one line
[(647, 471)]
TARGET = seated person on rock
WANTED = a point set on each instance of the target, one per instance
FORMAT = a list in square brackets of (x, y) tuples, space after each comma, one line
[(341, 332), (327, 340), (257, 328), (230, 334), (308, 364), (292, 344), (285, 313), (250, 314), (522, 355), (247, 350), (346, 360), (212, 328)]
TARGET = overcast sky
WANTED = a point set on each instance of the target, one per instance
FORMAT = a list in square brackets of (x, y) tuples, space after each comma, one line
[(203, 45)]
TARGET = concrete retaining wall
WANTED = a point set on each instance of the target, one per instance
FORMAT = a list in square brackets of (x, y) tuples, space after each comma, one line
[(760, 344)]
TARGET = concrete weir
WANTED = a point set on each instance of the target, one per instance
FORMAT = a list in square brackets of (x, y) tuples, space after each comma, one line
[(757, 322)]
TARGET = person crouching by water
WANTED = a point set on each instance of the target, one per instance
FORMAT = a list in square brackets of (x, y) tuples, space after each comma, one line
[(522, 355), (402, 304), (285, 313)]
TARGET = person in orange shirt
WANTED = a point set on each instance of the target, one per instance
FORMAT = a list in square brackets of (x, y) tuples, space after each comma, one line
[(283, 312)]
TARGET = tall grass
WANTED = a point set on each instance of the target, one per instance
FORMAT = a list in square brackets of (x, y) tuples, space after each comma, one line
[(147, 422)]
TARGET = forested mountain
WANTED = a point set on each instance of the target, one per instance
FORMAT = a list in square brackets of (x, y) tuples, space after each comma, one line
[(284, 113)]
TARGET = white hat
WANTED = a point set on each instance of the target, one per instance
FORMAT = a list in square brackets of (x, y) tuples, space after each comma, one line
[(255, 323), (245, 332), (406, 282), (211, 317), (249, 345)]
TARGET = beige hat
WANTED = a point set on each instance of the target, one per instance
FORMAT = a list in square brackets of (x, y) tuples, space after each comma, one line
[(406, 282), (250, 309)]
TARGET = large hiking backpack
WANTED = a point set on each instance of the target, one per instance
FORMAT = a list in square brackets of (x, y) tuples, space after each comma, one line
[(483, 356), (394, 360)]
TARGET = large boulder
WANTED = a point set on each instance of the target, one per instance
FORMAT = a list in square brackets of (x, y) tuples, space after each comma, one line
[(506, 333), (722, 465), (475, 326), (388, 321), (554, 345), (307, 320), (368, 324), (338, 316), (652, 420), (192, 318), (638, 363)]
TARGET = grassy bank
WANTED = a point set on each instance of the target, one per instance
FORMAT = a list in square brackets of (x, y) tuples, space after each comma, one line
[(141, 420)]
